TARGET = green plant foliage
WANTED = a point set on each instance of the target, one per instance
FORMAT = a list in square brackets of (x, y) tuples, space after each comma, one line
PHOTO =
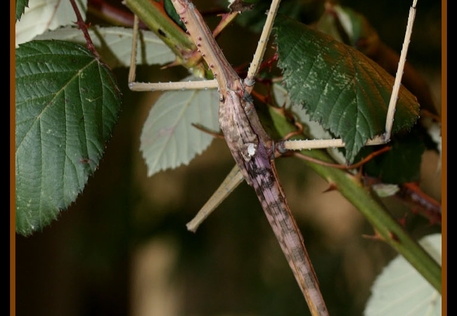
[(67, 103), (20, 7), (170, 9), (345, 25), (339, 87), (402, 163), (302, 10)]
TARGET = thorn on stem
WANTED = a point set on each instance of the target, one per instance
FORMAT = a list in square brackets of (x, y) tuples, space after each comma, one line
[(375, 236), (332, 187)]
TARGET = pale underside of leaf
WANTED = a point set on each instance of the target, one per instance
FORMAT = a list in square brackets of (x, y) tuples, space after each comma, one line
[(401, 290), (114, 44), (66, 106), (168, 138), (43, 15)]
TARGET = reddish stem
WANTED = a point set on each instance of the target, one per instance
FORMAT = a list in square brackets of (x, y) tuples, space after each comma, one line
[(422, 203), (83, 27)]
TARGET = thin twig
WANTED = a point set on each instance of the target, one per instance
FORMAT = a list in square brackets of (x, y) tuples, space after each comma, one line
[(344, 167), (83, 27)]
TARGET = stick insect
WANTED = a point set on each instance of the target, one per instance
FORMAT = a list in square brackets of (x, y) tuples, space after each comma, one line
[(252, 148)]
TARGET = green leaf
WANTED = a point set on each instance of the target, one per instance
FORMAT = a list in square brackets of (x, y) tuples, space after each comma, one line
[(402, 163), (346, 25), (168, 139), (43, 15), (171, 11), (312, 129), (401, 290), (67, 103), (339, 87), (254, 19), (20, 7), (114, 44)]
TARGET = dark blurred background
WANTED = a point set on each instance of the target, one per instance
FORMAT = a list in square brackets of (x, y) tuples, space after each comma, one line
[(123, 248)]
